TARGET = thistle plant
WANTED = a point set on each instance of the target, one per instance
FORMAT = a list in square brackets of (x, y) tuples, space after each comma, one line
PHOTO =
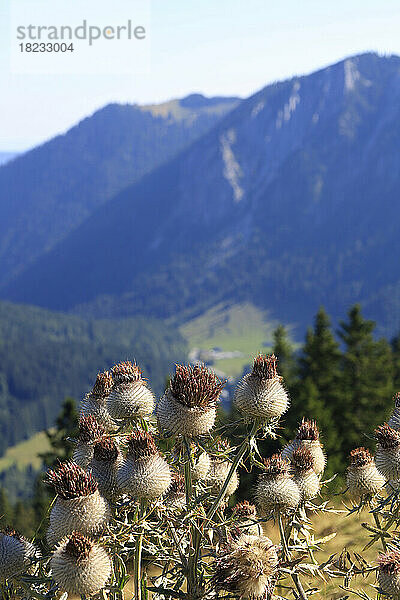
[(363, 477), (90, 431), (276, 490), (388, 451), (155, 490), (80, 566), (105, 465), (144, 474), (304, 475), (130, 397), (188, 406), (94, 404), (261, 394), (245, 516), (307, 437), (247, 567), (16, 553), (78, 506)]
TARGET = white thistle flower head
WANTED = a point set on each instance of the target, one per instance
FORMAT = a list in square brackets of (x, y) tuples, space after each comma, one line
[(307, 436), (246, 567), (79, 506), (261, 394), (95, 403), (303, 473), (394, 420), (16, 553), (201, 467), (188, 406), (107, 459), (276, 490), (144, 473), (90, 430), (130, 396), (363, 478), (219, 470), (175, 497), (246, 514), (79, 566), (387, 456), (389, 573)]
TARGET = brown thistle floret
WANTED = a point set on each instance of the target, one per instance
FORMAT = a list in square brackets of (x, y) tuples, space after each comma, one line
[(141, 444), (195, 386), (265, 366), (275, 465), (308, 430), (102, 385), (106, 450), (387, 437), (302, 459), (90, 429), (244, 509), (360, 457), (126, 372), (12, 533), (177, 487), (389, 563), (221, 446), (70, 481), (78, 547)]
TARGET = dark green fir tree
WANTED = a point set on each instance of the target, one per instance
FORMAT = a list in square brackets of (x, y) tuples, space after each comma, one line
[(319, 389), (367, 381), (284, 351)]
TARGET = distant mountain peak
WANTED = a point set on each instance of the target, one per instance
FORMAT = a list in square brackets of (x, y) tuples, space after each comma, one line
[(198, 100)]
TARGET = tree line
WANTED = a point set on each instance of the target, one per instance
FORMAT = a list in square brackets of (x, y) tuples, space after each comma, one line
[(344, 380)]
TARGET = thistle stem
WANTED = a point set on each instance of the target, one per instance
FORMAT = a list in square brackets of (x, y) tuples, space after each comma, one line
[(188, 473), (286, 552), (191, 566), (379, 526), (138, 557)]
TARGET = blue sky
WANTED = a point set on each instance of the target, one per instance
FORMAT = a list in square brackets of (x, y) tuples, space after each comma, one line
[(217, 47)]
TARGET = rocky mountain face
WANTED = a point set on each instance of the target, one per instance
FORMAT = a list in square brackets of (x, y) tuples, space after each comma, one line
[(290, 201), (47, 192)]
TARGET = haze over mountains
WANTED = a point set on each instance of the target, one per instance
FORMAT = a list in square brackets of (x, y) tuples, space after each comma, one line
[(288, 201), (5, 157), (47, 192)]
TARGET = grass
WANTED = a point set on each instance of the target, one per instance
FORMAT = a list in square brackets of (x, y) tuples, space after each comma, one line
[(350, 535), (26, 453), (235, 327)]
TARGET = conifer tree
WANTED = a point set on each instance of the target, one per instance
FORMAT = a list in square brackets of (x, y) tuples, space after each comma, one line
[(395, 344), (319, 390), (367, 380), (66, 427), (6, 512), (284, 351), (24, 519)]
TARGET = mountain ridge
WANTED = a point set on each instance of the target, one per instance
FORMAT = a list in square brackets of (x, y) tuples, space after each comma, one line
[(287, 202), (48, 191)]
